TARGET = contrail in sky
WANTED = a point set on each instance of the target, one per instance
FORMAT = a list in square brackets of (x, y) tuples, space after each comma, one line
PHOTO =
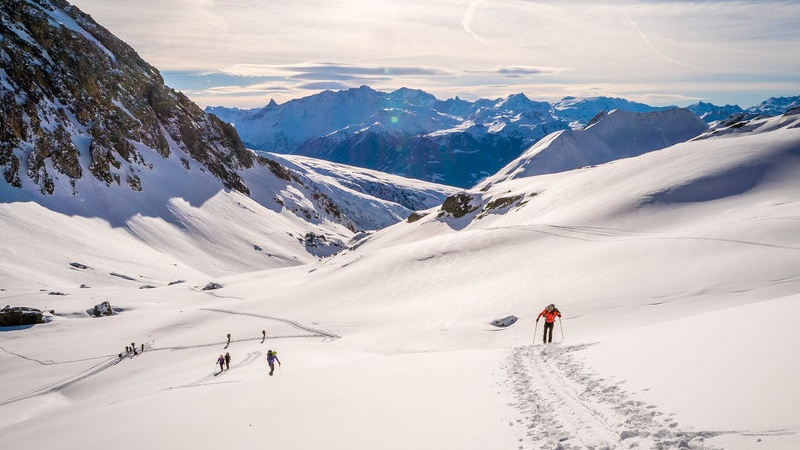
[(653, 47), (469, 14)]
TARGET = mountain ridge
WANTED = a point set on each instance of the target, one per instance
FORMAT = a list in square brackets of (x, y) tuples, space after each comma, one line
[(411, 133)]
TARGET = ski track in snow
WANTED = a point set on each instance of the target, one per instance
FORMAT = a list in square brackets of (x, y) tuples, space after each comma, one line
[(564, 407), (314, 331), (597, 234), (112, 360)]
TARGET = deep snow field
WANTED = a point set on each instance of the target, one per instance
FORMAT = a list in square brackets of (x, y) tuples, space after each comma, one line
[(677, 273)]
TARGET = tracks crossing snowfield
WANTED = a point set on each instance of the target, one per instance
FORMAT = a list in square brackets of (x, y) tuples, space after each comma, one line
[(565, 407), (108, 361)]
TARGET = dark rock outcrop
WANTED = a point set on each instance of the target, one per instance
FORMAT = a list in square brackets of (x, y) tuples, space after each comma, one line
[(12, 316), (458, 205), (77, 101), (102, 309)]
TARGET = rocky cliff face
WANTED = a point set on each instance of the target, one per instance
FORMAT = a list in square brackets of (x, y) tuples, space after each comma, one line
[(75, 101)]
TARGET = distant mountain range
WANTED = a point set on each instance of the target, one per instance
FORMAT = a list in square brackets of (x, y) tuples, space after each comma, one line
[(411, 133)]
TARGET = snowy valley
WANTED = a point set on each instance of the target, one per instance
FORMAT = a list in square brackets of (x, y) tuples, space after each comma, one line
[(671, 249)]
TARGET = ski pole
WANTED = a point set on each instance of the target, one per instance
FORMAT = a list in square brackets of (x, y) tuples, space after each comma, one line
[(561, 327), (534, 331)]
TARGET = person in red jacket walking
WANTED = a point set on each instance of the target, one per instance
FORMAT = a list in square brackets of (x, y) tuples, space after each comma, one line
[(550, 313)]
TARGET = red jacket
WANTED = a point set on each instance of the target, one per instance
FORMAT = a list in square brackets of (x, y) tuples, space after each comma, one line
[(549, 316)]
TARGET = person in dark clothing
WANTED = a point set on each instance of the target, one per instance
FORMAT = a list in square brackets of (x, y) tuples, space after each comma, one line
[(550, 313), (227, 360), (271, 358), (221, 362)]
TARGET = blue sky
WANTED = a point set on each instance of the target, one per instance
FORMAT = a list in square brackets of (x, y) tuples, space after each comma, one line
[(243, 53)]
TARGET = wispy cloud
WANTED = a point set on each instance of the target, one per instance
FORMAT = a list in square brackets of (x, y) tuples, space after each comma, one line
[(526, 71), (339, 71), (469, 16), (469, 48), (323, 85)]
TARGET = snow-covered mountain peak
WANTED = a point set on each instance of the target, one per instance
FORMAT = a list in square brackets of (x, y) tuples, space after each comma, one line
[(775, 105), (610, 136), (515, 102), (412, 97)]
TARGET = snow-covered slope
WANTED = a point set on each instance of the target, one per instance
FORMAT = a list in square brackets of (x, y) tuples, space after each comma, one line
[(615, 135), (676, 272), (373, 200), (292, 216)]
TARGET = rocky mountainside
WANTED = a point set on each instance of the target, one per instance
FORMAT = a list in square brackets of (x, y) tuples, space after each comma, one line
[(77, 101)]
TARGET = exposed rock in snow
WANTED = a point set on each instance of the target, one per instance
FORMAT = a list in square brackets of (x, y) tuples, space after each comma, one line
[(102, 309), (11, 316), (212, 285)]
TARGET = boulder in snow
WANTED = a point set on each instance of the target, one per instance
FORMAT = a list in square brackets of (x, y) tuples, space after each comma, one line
[(505, 321), (11, 316), (458, 205), (102, 309)]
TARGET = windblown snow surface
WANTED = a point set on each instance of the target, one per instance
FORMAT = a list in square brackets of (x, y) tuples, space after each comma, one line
[(677, 273)]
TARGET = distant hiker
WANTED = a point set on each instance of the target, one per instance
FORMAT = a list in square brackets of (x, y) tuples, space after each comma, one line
[(127, 349), (271, 358), (550, 313), (142, 348), (227, 360), (221, 362), (263, 336), (229, 338)]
